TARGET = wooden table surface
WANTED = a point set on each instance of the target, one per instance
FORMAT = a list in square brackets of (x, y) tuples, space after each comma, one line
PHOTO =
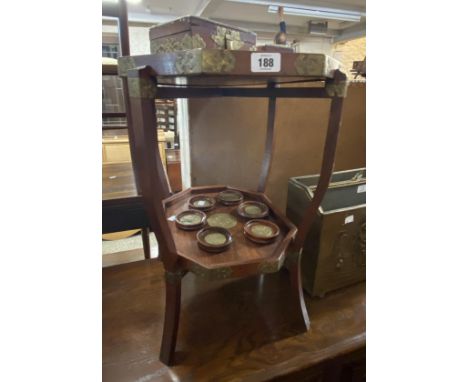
[(232, 330), (118, 181)]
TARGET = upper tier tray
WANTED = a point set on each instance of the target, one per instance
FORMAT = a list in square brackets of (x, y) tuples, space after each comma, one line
[(211, 65)]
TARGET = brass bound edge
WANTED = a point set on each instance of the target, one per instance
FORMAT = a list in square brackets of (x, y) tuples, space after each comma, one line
[(188, 62), (173, 44), (310, 64), (339, 89), (125, 63), (226, 38), (271, 266), (141, 87), (217, 61), (172, 277), (211, 274)]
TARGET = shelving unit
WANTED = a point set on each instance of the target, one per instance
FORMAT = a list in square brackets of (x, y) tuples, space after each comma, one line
[(166, 115), (223, 73)]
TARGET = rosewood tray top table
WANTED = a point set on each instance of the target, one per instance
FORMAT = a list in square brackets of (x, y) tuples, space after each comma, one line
[(224, 73)]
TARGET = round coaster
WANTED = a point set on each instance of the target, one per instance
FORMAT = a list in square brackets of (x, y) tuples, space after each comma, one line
[(252, 210), (214, 239), (190, 219), (230, 197), (261, 231), (202, 202), (221, 219)]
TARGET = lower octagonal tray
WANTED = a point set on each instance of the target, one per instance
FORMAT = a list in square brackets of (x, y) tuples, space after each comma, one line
[(243, 256)]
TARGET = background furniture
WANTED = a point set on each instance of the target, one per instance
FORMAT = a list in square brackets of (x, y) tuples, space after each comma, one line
[(166, 114), (238, 329), (114, 203), (334, 252), (122, 209), (117, 149)]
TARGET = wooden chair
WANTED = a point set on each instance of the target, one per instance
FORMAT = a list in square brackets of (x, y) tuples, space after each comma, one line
[(112, 205), (178, 249)]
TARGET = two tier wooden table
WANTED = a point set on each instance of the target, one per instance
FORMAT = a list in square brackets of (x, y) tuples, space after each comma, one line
[(224, 73)]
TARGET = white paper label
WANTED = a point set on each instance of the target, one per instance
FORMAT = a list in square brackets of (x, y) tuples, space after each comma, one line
[(265, 62), (349, 219), (361, 188)]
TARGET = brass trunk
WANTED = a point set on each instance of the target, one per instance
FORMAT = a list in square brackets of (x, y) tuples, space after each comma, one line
[(334, 253)]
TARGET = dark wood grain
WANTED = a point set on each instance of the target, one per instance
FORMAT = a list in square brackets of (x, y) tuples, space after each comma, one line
[(269, 142), (195, 92), (171, 317), (232, 330), (146, 242), (328, 161), (151, 176)]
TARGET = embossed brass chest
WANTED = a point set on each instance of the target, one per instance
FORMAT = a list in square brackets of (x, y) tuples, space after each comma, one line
[(195, 32), (334, 253)]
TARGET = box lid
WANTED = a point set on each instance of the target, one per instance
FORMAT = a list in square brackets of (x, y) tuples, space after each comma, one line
[(186, 23)]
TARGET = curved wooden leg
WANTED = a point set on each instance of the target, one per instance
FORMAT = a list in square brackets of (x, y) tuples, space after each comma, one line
[(171, 317), (146, 242), (294, 267)]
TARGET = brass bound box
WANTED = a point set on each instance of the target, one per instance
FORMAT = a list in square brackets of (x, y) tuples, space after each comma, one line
[(195, 32), (334, 253)]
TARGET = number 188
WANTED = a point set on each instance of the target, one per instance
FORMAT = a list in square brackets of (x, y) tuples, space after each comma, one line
[(265, 62)]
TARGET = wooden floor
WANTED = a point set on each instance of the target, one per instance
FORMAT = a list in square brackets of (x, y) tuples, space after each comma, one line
[(234, 330)]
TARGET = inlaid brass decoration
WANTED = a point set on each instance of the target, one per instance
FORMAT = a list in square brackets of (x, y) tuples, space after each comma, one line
[(188, 62), (227, 38), (339, 89), (220, 37), (310, 64), (218, 61), (211, 274), (125, 64), (172, 44), (198, 42), (141, 88), (172, 277), (271, 266), (234, 44)]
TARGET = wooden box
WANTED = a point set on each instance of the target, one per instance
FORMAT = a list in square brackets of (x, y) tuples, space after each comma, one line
[(194, 32), (275, 48), (334, 253)]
